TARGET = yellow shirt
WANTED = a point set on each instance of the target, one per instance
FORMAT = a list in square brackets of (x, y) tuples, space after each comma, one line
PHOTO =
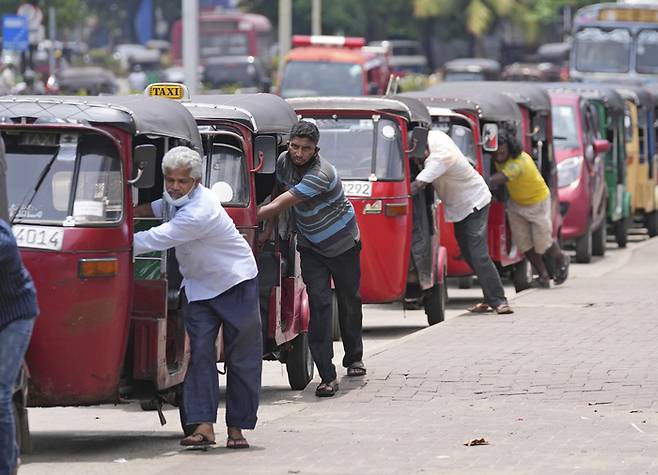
[(525, 184)]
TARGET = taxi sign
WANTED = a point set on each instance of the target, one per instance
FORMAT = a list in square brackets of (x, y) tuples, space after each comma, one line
[(168, 90)]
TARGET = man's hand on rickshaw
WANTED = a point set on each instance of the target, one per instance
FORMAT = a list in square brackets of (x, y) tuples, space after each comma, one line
[(417, 185), (266, 234)]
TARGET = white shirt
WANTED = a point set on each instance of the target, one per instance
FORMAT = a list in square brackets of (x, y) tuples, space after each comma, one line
[(212, 255), (459, 186)]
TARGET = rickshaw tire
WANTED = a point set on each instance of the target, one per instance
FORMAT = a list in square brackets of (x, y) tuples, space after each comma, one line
[(584, 247), (621, 232), (465, 282), (652, 223), (522, 275), (434, 303), (335, 316), (599, 239), (300, 363)]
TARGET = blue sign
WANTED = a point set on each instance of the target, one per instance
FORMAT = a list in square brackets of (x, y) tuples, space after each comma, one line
[(15, 33)]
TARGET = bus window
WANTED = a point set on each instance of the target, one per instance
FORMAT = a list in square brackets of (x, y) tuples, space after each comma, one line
[(647, 51), (603, 51)]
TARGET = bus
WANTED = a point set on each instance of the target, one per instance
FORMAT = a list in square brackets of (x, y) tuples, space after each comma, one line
[(225, 33), (615, 41)]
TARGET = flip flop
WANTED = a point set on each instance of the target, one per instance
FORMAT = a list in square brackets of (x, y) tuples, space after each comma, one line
[(327, 389), (193, 440), (240, 443), (356, 369), (480, 308)]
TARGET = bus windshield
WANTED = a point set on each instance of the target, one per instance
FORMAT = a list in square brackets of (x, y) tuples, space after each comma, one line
[(84, 185), (603, 51), (347, 143), (223, 43), (318, 78), (647, 51)]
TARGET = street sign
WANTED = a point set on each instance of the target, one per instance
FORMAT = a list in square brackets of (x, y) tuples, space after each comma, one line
[(15, 32)]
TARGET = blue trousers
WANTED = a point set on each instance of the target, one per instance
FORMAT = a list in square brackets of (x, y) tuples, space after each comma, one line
[(14, 339), (238, 312)]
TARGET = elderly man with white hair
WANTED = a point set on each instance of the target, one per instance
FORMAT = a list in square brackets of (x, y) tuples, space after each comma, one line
[(219, 288)]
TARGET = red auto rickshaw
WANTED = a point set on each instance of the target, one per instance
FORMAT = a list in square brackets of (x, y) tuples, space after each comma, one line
[(370, 141), (109, 330), (471, 118)]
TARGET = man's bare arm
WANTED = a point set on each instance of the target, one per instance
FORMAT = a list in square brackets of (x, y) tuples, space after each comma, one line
[(282, 202)]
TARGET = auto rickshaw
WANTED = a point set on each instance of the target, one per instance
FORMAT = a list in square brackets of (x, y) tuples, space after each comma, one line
[(110, 327), (641, 175), (468, 116), (243, 135), (608, 118), (371, 142)]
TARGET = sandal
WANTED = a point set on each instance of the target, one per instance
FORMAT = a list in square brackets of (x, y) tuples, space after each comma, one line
[(327, 389), (239, 443), (562, 272), (480, 308), (197, 439), (356, 369), (503, 309)]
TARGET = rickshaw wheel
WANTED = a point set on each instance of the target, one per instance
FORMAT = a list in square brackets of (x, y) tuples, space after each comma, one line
[(299, 365), (599, 239), (435, 304), (335, 316), (621, 232), (522, 275), (652, 223), (465, 282)]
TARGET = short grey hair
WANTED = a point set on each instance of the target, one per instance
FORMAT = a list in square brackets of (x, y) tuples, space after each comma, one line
[(183, 158)]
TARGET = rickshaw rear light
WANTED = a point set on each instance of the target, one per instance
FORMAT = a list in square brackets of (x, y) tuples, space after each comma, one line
[(92, 268), (395, 209)]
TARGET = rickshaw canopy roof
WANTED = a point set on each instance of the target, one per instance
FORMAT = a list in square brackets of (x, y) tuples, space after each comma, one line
[(137, 114), (532, 96), (602, 92), (634, 92), (262, 113), (490, 106), (410, 109)]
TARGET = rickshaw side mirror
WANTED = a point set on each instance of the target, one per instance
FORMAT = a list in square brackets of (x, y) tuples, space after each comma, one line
[(4, 206), (601, 146), (490, 137), (418, 142), (144, 162), (265, 154)]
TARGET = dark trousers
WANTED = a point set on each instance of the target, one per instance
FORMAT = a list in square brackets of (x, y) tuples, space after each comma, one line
[(14, 340), (238, 313), (345, 270), (471, 234)]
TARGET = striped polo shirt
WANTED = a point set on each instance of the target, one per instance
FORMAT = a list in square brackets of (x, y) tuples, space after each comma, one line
[(17, 294), (325, 218)]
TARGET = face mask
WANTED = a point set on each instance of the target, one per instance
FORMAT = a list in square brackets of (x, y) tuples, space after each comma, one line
[(176, 202)]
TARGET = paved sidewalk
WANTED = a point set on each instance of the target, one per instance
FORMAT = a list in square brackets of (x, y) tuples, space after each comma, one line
[(567, 384)]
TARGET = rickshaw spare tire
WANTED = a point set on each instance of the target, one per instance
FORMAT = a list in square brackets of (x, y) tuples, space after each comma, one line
[(299, 364)]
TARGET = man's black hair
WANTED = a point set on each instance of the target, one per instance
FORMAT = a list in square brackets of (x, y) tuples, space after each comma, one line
[(507, 134), (305, 130)]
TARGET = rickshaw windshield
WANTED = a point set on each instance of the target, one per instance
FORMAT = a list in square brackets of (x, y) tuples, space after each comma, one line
[(565, 131), (461, 135), (319, 78), (347, 143), (228, 175), (84, 186)]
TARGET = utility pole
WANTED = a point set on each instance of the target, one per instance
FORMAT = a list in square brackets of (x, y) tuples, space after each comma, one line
[(285, 30), (52, 33), (190, 9), (316, 17)]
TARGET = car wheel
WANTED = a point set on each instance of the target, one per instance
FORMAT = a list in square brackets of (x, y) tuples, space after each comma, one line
[(584, 247), (599, 239)]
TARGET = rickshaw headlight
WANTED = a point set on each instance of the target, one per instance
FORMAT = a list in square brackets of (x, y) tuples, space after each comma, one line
[(395, 209), (92, 268), (568, 171)]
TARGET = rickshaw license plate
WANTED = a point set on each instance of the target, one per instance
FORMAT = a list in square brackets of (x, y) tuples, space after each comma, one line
[(39, 237), (358, 188)]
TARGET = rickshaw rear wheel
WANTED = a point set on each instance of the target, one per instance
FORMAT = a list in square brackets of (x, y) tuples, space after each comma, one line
[(621, 232), (299, 365), (522, 275), (652, 223), (599, 239), (434, 302)]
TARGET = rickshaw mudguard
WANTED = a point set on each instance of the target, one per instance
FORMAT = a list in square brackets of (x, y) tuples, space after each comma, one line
[(386, 248), (79, 341), (294, 312)]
